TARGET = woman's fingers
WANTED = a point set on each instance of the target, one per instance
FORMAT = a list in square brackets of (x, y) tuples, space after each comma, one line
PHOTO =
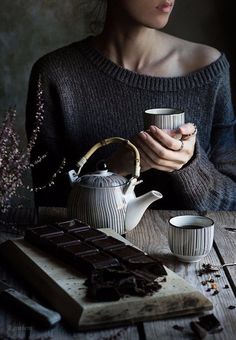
[(187, 130), (161, 151)]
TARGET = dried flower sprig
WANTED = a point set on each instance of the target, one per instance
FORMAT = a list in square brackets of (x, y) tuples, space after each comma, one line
[(13, 160)]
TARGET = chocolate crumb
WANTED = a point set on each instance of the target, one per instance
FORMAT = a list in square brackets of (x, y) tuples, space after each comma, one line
[(231, 307), (215, 292), (209, 322), (226, 286), (204, 283), (178, 328), (208, 289), (198, 330), (217, 275)]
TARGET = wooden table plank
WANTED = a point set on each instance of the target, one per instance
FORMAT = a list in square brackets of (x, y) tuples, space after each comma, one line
[(151, 236), (225, 242)]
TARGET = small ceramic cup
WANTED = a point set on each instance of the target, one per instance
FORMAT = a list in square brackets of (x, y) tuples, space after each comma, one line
[(190, 237), (164, 118)]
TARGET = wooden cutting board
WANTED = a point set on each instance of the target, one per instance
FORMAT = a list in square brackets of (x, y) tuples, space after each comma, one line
[(63, 287)]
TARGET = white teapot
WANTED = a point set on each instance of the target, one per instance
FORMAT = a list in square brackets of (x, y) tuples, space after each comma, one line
[(107, 200)]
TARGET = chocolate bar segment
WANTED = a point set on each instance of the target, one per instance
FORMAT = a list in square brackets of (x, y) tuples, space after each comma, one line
[(107, 243), (126, 252), (73, 225), (44, 231), (89, 235), (81, 248), (88, 263), (61, 240)]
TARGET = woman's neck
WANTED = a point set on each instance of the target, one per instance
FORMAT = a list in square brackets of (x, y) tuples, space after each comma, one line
[(129, 45)]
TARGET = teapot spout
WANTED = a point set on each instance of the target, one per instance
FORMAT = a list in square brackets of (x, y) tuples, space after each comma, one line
[(137, 206)]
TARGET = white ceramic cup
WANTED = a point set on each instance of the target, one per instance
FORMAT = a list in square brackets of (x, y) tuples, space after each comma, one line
[(164, 118), (190, 237)]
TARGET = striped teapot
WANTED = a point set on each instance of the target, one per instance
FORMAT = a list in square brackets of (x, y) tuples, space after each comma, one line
[(104, 199)]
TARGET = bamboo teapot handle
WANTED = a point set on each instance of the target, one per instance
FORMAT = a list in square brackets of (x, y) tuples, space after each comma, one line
[(104, 142)]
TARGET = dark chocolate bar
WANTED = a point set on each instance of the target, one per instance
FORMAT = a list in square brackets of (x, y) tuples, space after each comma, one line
[(110, 264)]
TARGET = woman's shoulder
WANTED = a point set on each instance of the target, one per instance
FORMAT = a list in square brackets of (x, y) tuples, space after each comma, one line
[(192, 56), (58, 57)]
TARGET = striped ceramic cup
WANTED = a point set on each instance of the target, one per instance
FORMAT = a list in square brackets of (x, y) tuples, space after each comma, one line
[(190, 237), (164, 118)]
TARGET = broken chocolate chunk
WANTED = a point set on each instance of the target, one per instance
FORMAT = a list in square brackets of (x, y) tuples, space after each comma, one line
[(209, 322), (198, 330), (231, 307), (178, 328)]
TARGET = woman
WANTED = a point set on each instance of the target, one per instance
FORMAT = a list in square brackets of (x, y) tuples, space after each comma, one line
[(100, 87)]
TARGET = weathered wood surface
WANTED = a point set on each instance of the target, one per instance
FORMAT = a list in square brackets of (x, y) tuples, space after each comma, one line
[(150, 236)]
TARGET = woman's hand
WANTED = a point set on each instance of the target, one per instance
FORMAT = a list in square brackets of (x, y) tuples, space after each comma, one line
[(161, 150)]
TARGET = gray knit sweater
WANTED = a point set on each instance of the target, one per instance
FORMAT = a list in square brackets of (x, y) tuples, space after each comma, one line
[(88, 98)]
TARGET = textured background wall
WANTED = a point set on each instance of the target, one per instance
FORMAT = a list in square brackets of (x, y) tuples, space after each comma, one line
[(31, 28)]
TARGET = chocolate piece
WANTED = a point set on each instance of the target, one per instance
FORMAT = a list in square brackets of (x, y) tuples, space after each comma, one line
[(88, 235), (198, 330), (143, 259), (44, 231), (62, 240), (73, 225), (108, 243), (126, 252), (79, 249), (87, 263), (209, 322)]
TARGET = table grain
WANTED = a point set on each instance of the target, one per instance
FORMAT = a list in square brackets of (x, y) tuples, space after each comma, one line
[(151, 236)]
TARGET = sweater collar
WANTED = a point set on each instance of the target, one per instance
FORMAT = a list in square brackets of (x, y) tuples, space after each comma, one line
[(194, 79)]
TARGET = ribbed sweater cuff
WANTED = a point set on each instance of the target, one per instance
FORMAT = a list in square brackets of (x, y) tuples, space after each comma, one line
[(196, 178)]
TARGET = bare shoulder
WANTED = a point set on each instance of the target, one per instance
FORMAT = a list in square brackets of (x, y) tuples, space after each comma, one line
[(193, 56)]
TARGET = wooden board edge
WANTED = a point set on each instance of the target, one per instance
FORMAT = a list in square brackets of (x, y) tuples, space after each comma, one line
[(10, 252)]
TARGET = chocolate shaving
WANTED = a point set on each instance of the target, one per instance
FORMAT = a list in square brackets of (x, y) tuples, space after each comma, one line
[(206, 324), (178, 328), (198, 330), (231, 307)]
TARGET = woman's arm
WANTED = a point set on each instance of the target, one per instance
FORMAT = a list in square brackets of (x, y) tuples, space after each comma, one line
[(48, 144)]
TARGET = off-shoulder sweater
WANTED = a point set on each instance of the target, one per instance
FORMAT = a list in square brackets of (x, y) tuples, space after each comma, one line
[(87, 98)]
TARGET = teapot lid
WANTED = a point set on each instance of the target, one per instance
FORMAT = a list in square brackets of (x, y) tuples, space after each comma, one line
[(102, 179)]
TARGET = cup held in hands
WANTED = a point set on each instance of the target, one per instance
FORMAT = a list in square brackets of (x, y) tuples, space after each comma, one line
[(164, 118)]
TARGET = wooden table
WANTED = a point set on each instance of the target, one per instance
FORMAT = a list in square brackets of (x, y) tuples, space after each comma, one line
[(151, 236)]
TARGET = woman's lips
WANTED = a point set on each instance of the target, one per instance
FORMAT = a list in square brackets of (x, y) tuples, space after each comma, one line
[(165, 7)]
